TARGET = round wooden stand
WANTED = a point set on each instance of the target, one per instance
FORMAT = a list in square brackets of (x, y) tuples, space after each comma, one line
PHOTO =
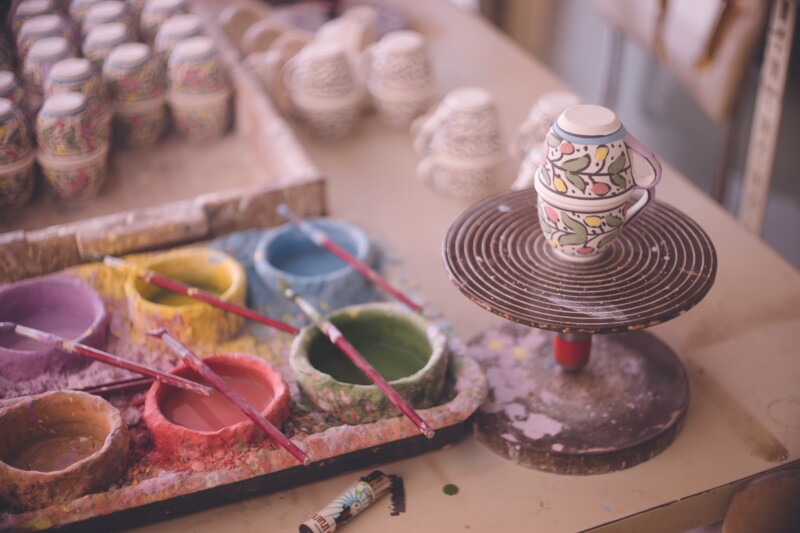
[(576, 413)]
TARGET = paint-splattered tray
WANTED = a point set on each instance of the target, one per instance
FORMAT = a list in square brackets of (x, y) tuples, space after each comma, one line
[(155, 486)]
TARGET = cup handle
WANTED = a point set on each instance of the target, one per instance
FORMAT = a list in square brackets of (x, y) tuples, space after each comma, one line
[(522, 138), (645, 168), (648, 195), (284, 76), (364, 64), (424, 130)]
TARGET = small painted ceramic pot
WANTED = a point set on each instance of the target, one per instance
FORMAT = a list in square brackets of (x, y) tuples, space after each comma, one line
[(43, 54), (77, 179), (139, 124), (201, 117), (465, 126), (591, 157), (284, 254), (408, 351), (65, 126), (98, 43), (27, 9), (15, 143), (155, 13), (194, 68), (58, 446), (16, 183), (56, 304), (107, 12), (40, 27), (79, 75), (175, 30), (456, 178), (132, 73), (582, 232), (171, 414), (190, 321), (79, 8)]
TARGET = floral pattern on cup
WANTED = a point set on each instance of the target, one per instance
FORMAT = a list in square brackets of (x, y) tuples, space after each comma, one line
[(98, 43), (190, 74), (75, 183), (42, 56), (68, 132), (155, 13), (139, 129), (38, 28), (15, 143), (107, 12), (80, 77), (201, 122), (16, 183), (136, 80), (175, 30), (27, 10)]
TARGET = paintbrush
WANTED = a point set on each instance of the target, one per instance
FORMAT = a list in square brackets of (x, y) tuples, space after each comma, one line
[(321, 239), (77, 348), (193, 292), (336, 337), (198, 365)]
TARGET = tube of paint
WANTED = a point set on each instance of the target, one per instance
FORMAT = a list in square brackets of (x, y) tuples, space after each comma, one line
[(354, 500)]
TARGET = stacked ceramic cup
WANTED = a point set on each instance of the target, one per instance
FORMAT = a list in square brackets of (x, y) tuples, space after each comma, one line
[(11, 89), (461, 143), (135, 82), (79, 75), (37, 28), (73, 147), (16, 157), (323, 89), (28, 9), (399, 77), (105, 13), (199, 90), (175, 30), (100, 41), (79, 8), (155, 13), (43, 54), (527, 144)]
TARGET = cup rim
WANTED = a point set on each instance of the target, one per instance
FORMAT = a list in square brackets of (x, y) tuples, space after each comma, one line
[(581, 204), (18, 165)]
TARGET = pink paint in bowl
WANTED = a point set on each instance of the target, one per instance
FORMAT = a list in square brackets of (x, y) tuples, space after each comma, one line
[(185, 425), (63, 306)]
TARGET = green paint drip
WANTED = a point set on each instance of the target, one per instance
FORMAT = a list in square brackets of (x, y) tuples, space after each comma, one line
[(450, 489)]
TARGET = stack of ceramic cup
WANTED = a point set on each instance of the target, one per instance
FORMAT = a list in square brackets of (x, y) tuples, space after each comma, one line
[(461, 143), (79, 75), (528, 143), (43, 54), (100, 41), (73, 147), (28, 9), (11, 89), (37, 28), (135, 82), (155, 13), (175, 30), (105, 13), (323, 89), (79, 8), (199, 90), (399, 77), (16, 157)]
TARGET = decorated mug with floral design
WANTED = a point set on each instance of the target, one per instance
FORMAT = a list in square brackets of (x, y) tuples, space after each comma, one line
[(133, 74), (590, 156), (15, 143), (65, 126)]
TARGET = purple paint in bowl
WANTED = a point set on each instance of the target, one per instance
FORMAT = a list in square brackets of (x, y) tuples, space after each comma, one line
[(58, 305)]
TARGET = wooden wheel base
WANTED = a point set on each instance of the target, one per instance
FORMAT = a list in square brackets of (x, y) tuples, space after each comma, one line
[(626, 406)]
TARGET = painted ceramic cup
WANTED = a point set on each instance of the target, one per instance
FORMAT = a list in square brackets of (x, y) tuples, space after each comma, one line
[(132, 73), (98, 43), (79, 75), (284, 254), (65, 126), (175, 30), (16, 183), (533, 130), (140, 124), (408, 351), (43, 54), (155, 13), (58, 305), (185, 425), (28, 9), (190, 321), (15, 143), (465, 127), (194, 68), (11, 89), (75, 179), (590, 156), (201, 117), (455, 178), (79, 8), (58, 446), (354, 31), (107, 12), (40, 27)]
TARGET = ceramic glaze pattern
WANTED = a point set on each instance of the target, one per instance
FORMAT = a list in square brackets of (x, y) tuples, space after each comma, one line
[(474, 135), (12, 90), (597, 168), (331, 79), (134, 83), (136, 129), (201, 123), (35, 69), (70, 134), (407, 72), (80, 182), (200, 76), (92, 87), (15, 142), (581, 233), (154, 15), (97, 50), (16, 185), (27, 36), (458, 181)]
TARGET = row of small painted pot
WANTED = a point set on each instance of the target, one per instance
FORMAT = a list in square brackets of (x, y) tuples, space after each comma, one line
[(419, 360)]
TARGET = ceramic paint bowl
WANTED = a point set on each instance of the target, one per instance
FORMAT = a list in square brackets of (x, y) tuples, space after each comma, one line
[(132, 73), (58, 446), (175, 30), (194, 68), (286, 254), (62, 306), (191, 321), (155, 13), (201, 117), (75, 179), (407, 350), (185, 425), (98, 43)]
